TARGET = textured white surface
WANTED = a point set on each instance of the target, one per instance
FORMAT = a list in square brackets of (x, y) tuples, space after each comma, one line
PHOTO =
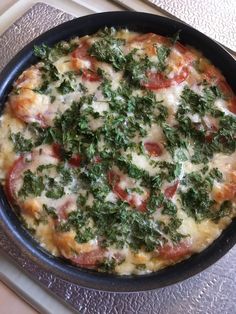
[(215, 18)]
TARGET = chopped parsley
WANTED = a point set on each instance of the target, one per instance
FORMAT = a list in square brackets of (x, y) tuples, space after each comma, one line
[(196, 199), (51, 211), (108, 265), (54, 190), (32, 185), (173, 140), (21, 144), (42, 52), (162, 54), (65, 87), (195, 102), (108, 49), (135, 70)]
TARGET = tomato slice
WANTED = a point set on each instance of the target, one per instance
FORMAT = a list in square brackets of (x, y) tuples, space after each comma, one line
[(171, 190), (12, 176), (74, 161), (81, 52), (227, 91), (209, 127), (140, 206), (89, 259), (225, 88), (211, 73), (174, 252), (97, 159), (210, 132), (156, 80), (232, 105), (143, 206), (154, 149), (19, 166), (120, 192), (90, 75), (114, 180), (56, 148), (179, 78)]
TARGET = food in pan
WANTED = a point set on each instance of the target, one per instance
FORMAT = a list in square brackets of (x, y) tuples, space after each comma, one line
[(118, 151)]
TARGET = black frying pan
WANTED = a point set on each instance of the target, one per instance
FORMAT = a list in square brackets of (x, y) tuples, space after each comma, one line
[(140, 22)]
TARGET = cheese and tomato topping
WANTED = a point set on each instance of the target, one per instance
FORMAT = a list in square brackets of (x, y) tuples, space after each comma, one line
[(118, 149)]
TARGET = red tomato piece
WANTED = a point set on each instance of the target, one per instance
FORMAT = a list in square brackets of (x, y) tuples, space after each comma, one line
[(171, 190), (210, 127), (179, 78), (12, 176), (209, 137), (90, 75), (18, 168), (114, 180), (225, 88), (232, 105), (141, 207), (75, 160), (56, 149), (121, 193), (211, 73), (154, 149), (97, 159), (227, 91), (210, 134), (81, 52), (158, 80), (174, 252), (89, 259)]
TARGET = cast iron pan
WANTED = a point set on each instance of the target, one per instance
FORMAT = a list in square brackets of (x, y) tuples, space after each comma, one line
[(140, 22)]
